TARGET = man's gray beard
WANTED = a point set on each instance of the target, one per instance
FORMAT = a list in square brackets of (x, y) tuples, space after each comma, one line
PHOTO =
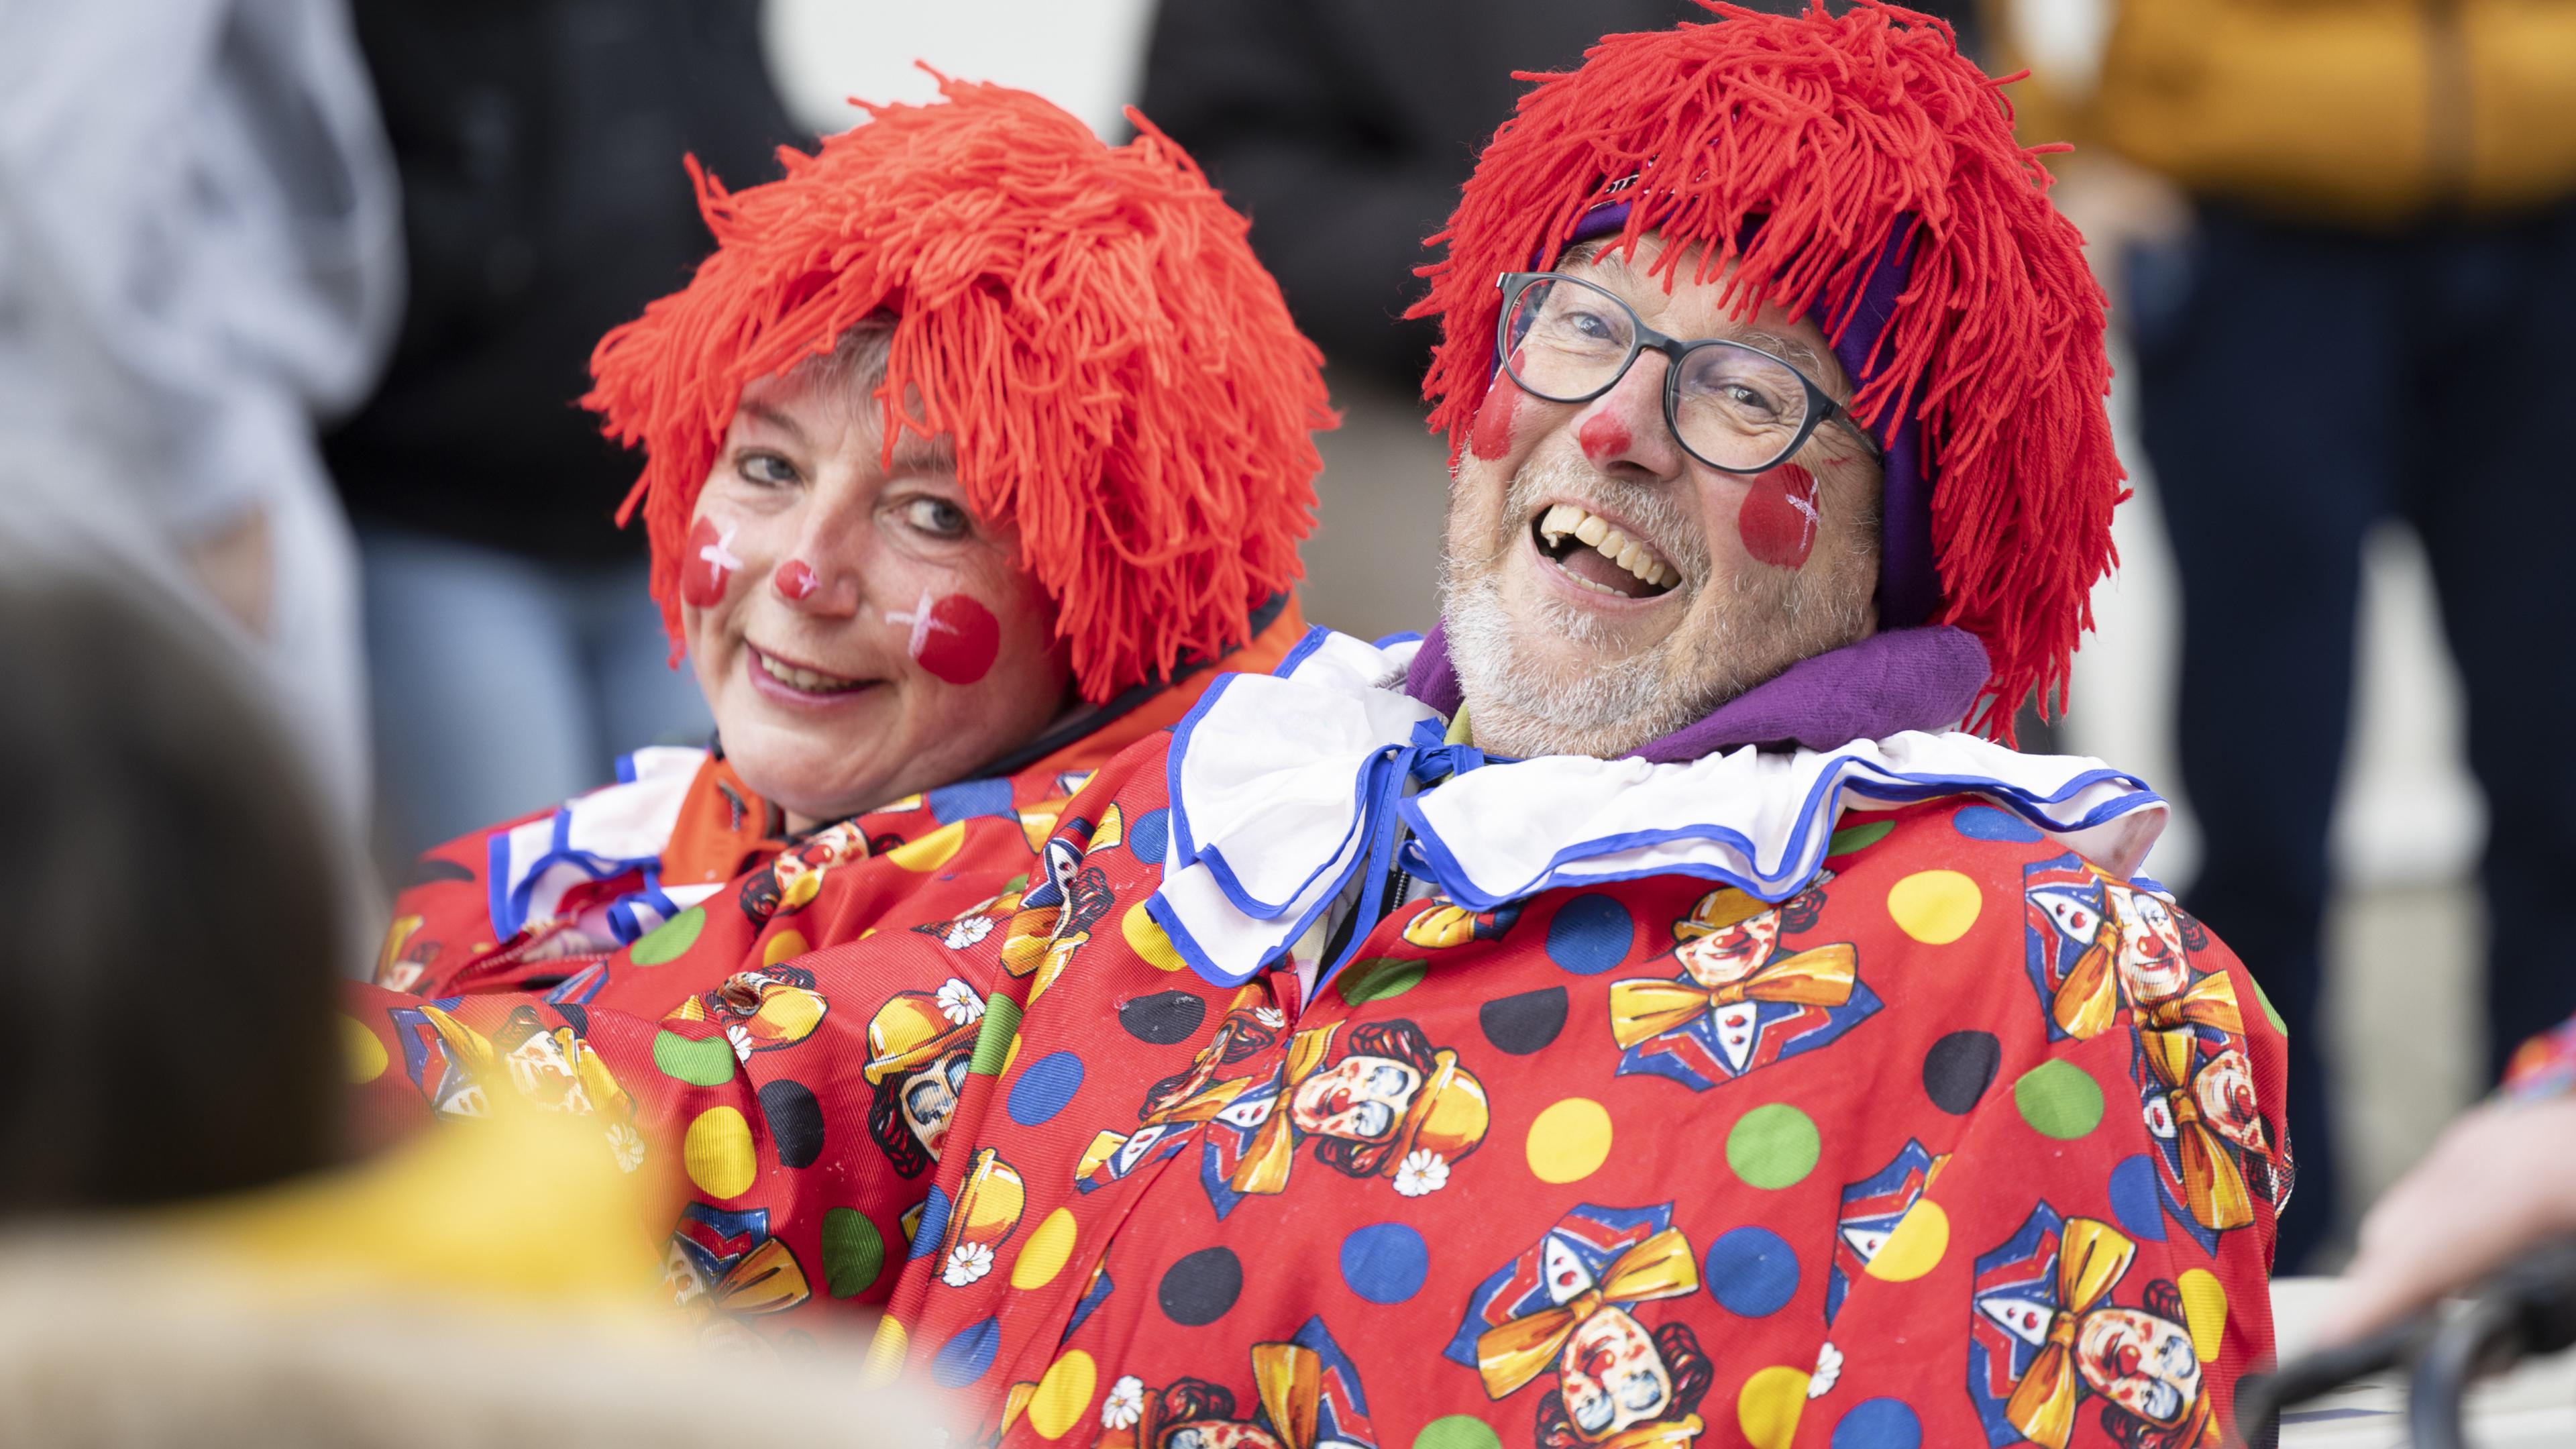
[(1765, 620)]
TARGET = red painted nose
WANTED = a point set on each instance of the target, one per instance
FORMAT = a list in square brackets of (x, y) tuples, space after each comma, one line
[(795, 579), (1603, 437)]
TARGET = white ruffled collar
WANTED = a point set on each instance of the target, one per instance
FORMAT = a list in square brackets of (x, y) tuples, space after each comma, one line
[(1283, 786)]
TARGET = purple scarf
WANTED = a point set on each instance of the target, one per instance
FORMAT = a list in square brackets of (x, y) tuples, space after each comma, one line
[(1890, 682)]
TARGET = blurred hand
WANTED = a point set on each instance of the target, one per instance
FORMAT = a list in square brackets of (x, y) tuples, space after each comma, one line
[(235, 566), (2502, 1180)]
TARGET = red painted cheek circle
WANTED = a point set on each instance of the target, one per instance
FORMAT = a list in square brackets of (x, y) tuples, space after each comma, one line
[(961, 641), (795, 579), (1492, 436), (1778, 517), (1603, 438), (706, 566)]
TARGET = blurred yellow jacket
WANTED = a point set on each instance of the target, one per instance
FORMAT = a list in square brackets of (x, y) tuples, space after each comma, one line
[(2371, 111)]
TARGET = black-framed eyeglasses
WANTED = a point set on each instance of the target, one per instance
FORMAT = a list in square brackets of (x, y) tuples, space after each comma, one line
[(1734, 407)]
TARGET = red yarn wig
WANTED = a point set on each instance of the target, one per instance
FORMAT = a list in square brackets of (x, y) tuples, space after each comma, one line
[(1791, 147), (1120, 377)]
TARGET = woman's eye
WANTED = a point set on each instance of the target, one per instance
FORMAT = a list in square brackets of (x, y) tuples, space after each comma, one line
[(767, 469), (937, 516)]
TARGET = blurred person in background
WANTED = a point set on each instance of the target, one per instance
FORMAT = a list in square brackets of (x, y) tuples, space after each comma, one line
[(168, 877), (512, 649), (200, 258), (188, 1256), (2345, 241)]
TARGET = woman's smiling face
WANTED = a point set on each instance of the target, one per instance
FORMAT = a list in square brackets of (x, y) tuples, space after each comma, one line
[(858, 633)]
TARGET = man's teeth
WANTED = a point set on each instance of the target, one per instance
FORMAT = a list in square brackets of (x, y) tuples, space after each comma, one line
[(1606, 540), (805, 679)]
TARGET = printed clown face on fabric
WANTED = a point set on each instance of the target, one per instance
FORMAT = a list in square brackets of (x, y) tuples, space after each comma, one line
[(1611, 1376), (859, 634), (2140, 1362), (1742, 1001), (761, 1010), (2049, 1327), (920, 1046), (1359, 1098), (2096, 942), (2224, 1088), (1306, 1395), (1603, 587)]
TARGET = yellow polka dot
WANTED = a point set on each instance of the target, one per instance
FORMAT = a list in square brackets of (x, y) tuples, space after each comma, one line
[(1045, 1254), (361, 1054), (1569, 1141), (885, 1353), (2204, 1310), (1915, 1248), (1145, 937), (717, 1152), (1935, 907), (931, 851), (1767, 1409), (1063, 1394), (785, 946)]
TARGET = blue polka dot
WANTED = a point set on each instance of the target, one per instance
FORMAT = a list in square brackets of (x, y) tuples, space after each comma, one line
[(1751, 1272), (934, 1221), (1149, 834), (1879, 1424), (1590, 934), (2134, 1200), (1385, 1263), (963, 1359), (951, 803), (1045, 1087), (1985, 822)]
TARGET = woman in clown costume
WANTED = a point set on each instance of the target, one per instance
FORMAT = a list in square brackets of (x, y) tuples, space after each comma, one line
[(920, 627)]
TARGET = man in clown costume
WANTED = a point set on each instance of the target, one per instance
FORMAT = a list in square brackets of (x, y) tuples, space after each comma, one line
[(1654, 1009)]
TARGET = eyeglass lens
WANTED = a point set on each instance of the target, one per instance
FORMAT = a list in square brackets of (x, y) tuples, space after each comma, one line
[(1734, 407)]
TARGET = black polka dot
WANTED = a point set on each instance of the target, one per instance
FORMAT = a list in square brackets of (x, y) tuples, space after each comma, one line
[(795, 1122), (1198, 1289), (430, 870), (1525, 1023), (1959, 1068), (1164, 1017)]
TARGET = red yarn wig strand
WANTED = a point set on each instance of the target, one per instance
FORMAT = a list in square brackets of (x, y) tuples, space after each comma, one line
[(1827, 130), (1120, 377)]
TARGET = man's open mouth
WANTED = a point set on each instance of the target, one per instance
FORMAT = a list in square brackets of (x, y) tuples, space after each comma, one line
[(1593, 552), (798, 677)]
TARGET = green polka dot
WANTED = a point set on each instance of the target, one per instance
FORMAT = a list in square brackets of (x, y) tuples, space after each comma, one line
[(1017, 884), (2270, 1014), (670, 939), (2059, 1099), (706, 1063), (1457, 1431), (993, 1043), (1772, 1146), (1858, 837), (854, 1252), (1376, 979)]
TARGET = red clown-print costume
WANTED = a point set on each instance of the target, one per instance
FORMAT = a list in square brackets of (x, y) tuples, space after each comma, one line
[(1497, 1217)]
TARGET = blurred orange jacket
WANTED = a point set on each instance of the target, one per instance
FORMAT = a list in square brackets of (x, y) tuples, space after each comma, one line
[(2365, 111)]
